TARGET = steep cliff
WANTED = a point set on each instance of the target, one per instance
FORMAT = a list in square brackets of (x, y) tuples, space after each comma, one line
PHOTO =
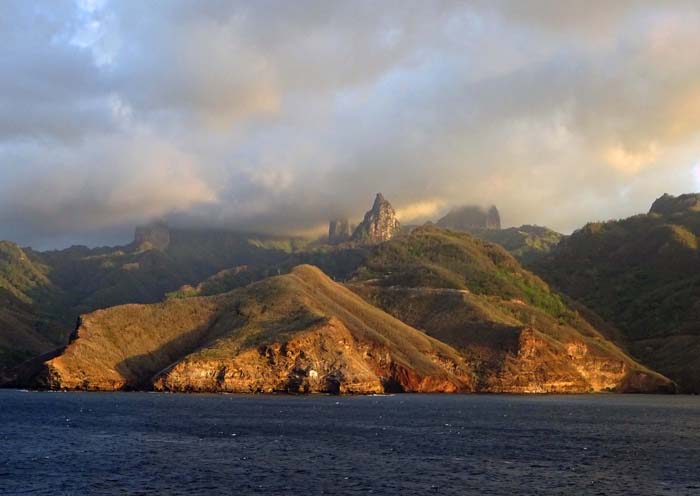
[(379, 224)]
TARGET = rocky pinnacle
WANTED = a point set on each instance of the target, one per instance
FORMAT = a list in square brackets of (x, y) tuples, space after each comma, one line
[(380, 223)]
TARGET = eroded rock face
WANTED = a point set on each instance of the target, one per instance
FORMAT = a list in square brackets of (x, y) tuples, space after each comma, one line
[(379, 224), (541, 366), (339, 231), (507, 356), (299, 332), (471, 217), (327, 359)]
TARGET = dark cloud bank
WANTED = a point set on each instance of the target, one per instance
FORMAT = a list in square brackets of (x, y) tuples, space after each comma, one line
[(274, 116)]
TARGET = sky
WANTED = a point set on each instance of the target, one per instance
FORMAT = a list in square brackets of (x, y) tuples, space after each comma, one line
[(274, 116)]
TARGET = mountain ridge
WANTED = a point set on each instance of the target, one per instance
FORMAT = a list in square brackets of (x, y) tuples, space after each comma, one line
[(639, 273), (251, 334), (456, 287)]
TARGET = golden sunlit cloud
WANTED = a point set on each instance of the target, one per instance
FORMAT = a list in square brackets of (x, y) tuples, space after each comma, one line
[(419, 210), (268, 117), (630, 161)]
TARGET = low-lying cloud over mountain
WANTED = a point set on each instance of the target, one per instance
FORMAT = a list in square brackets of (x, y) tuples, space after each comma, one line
[(275, 116)]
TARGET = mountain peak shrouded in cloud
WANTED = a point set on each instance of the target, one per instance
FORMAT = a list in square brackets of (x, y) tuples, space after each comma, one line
[(275, 116), (471, 217)]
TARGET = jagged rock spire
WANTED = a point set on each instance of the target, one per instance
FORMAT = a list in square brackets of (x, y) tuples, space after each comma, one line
[(380, 223)]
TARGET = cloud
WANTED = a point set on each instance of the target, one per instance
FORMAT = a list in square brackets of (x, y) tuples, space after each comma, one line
[(274, 116), (94, 187), (631, 162)]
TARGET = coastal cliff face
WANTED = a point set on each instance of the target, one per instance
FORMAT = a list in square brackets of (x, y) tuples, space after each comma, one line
[(508, 356), (303, 333), (325, 359), (295, 333), (432, 311), (516, 333), (541, 365)]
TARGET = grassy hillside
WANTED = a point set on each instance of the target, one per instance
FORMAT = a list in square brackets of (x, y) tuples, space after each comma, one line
[(297, 332), (22, 333), (21, 276), (107, 277), (469, 293), (437, 258), (640, 273), (476, 297), (26, 328), (339, 262), (55, 287)]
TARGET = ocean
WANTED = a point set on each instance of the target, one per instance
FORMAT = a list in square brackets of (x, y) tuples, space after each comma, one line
[(177, 444)]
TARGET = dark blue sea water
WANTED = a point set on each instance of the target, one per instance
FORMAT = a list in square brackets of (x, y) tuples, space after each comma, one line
[(141, 443)]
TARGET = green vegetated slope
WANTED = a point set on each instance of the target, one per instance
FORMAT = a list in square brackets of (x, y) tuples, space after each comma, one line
[(526, 243), (112, 276), (338, 262), (473, 295), (437, 258), (21, 276), (25, 330), (22, 333), (515, 333), (641, 274), (47, 291), (299, 332)]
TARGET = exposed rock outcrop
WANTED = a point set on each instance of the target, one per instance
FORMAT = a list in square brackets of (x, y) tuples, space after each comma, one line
[(299, 332), (471, 217), (339, 231), (516, 333), (669, 204), (327, 358), (509, 357), (379, 224)]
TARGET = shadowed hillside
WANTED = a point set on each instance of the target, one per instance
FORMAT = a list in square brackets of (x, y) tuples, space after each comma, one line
[(47, 291), (299, 332), (641, 274), (27, 297), (505, 329)]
